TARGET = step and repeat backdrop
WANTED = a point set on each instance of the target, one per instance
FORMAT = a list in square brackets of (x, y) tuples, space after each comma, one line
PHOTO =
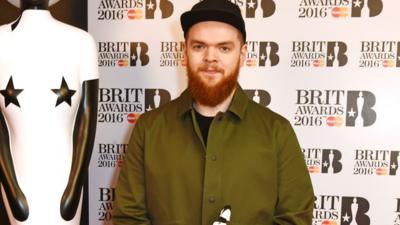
[(331, 67)]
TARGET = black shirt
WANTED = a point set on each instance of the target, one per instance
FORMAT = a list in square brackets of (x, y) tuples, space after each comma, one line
[(204, 124)]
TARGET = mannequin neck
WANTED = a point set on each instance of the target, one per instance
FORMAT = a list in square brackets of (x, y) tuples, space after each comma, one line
[(32, 17), (34, 4)]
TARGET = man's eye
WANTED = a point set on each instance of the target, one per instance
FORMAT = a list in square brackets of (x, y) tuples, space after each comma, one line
[(224, 49), (198, 47)]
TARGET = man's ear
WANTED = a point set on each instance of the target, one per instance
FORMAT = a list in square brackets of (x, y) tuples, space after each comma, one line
[(243, 52)]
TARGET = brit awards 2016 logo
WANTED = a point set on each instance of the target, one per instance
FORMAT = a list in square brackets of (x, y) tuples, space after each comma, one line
[(339, 8), (123, 54), (262, 54), (134, 9), (171, 54), (397, 212), (106, 204), (382, 54), (340, 210), (120, 105), (335, 108), (256, 8), (111, 155), (376, 162), (318, 54), (325, 161), (259, 96)]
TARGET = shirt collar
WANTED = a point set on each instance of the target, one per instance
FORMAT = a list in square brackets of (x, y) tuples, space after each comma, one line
[(239, 102), (185, 102), (238, 105)]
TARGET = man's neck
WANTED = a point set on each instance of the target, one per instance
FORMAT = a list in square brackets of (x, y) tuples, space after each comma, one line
[(211, 111)]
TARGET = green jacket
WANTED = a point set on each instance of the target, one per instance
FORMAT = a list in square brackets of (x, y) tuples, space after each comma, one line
[(252, 162)]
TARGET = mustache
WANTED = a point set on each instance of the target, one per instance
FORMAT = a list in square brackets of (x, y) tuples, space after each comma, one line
[(205, 67)]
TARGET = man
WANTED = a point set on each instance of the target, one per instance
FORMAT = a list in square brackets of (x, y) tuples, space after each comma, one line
[(212, 147)]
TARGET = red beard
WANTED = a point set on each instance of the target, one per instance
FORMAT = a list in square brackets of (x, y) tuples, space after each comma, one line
[(211, 95)]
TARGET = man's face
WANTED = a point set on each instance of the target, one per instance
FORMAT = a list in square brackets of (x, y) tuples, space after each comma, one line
[(214, 54)]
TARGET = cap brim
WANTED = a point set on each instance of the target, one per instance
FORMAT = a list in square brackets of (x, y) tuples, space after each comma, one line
[(188, 19)]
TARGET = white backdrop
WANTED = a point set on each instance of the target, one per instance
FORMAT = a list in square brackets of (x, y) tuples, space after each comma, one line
[(329, 66)]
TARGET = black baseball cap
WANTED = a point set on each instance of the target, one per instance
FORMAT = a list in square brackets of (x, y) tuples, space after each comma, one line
[(214, 10)]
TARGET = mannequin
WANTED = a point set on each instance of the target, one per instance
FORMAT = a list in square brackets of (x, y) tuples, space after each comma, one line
[(48, 101)]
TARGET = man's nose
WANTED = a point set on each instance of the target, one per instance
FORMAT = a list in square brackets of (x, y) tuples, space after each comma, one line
[(210, 55)]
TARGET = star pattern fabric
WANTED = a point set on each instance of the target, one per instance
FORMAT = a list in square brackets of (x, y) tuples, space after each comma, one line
[(10, 93), (64, 93)]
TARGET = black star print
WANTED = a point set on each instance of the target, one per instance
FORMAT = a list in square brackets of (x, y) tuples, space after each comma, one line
[(64, 93), (10, 94)]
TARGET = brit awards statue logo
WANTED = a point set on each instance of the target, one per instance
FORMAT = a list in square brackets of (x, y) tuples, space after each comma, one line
[(340, 210), (366, 8), (354, 211), (262, 54), (109, 10), (139, 55), (325, 161), (158, 9), (394, 162), (339, 9), (259, 96), (359, 109), (154, 98), (257, 9), (260, 8), (123, 54), (318, 54)]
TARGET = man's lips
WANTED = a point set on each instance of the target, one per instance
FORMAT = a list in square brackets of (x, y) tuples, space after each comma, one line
[(210, 73), (211, 70)]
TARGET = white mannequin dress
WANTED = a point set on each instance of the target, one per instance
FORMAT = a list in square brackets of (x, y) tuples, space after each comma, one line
[(38, 59)]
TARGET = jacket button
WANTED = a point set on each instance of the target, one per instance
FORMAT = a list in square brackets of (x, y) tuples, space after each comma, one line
[(214, 158), (211, 199)]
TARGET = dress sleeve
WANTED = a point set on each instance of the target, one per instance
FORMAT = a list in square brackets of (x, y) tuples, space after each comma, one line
[(130, 198), (295, 193)]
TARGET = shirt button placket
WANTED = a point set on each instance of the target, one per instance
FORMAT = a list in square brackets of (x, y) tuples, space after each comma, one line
[(212, 175)]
